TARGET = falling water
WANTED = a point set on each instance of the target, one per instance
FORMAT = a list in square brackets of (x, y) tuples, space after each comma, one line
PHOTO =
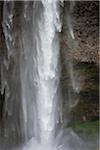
[(33, 80), (31, 76)]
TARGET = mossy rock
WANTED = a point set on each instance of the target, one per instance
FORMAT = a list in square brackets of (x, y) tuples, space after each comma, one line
[(90, 128)]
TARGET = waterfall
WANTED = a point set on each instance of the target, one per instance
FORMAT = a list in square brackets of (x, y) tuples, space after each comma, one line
[(31, 78), (32, 82)]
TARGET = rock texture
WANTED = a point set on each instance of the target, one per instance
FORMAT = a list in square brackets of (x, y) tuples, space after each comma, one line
[(85, 22), (83, 52)]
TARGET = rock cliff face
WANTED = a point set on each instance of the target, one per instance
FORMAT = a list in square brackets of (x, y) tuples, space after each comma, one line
[(85, 22), (85, 54), (85, 58)]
